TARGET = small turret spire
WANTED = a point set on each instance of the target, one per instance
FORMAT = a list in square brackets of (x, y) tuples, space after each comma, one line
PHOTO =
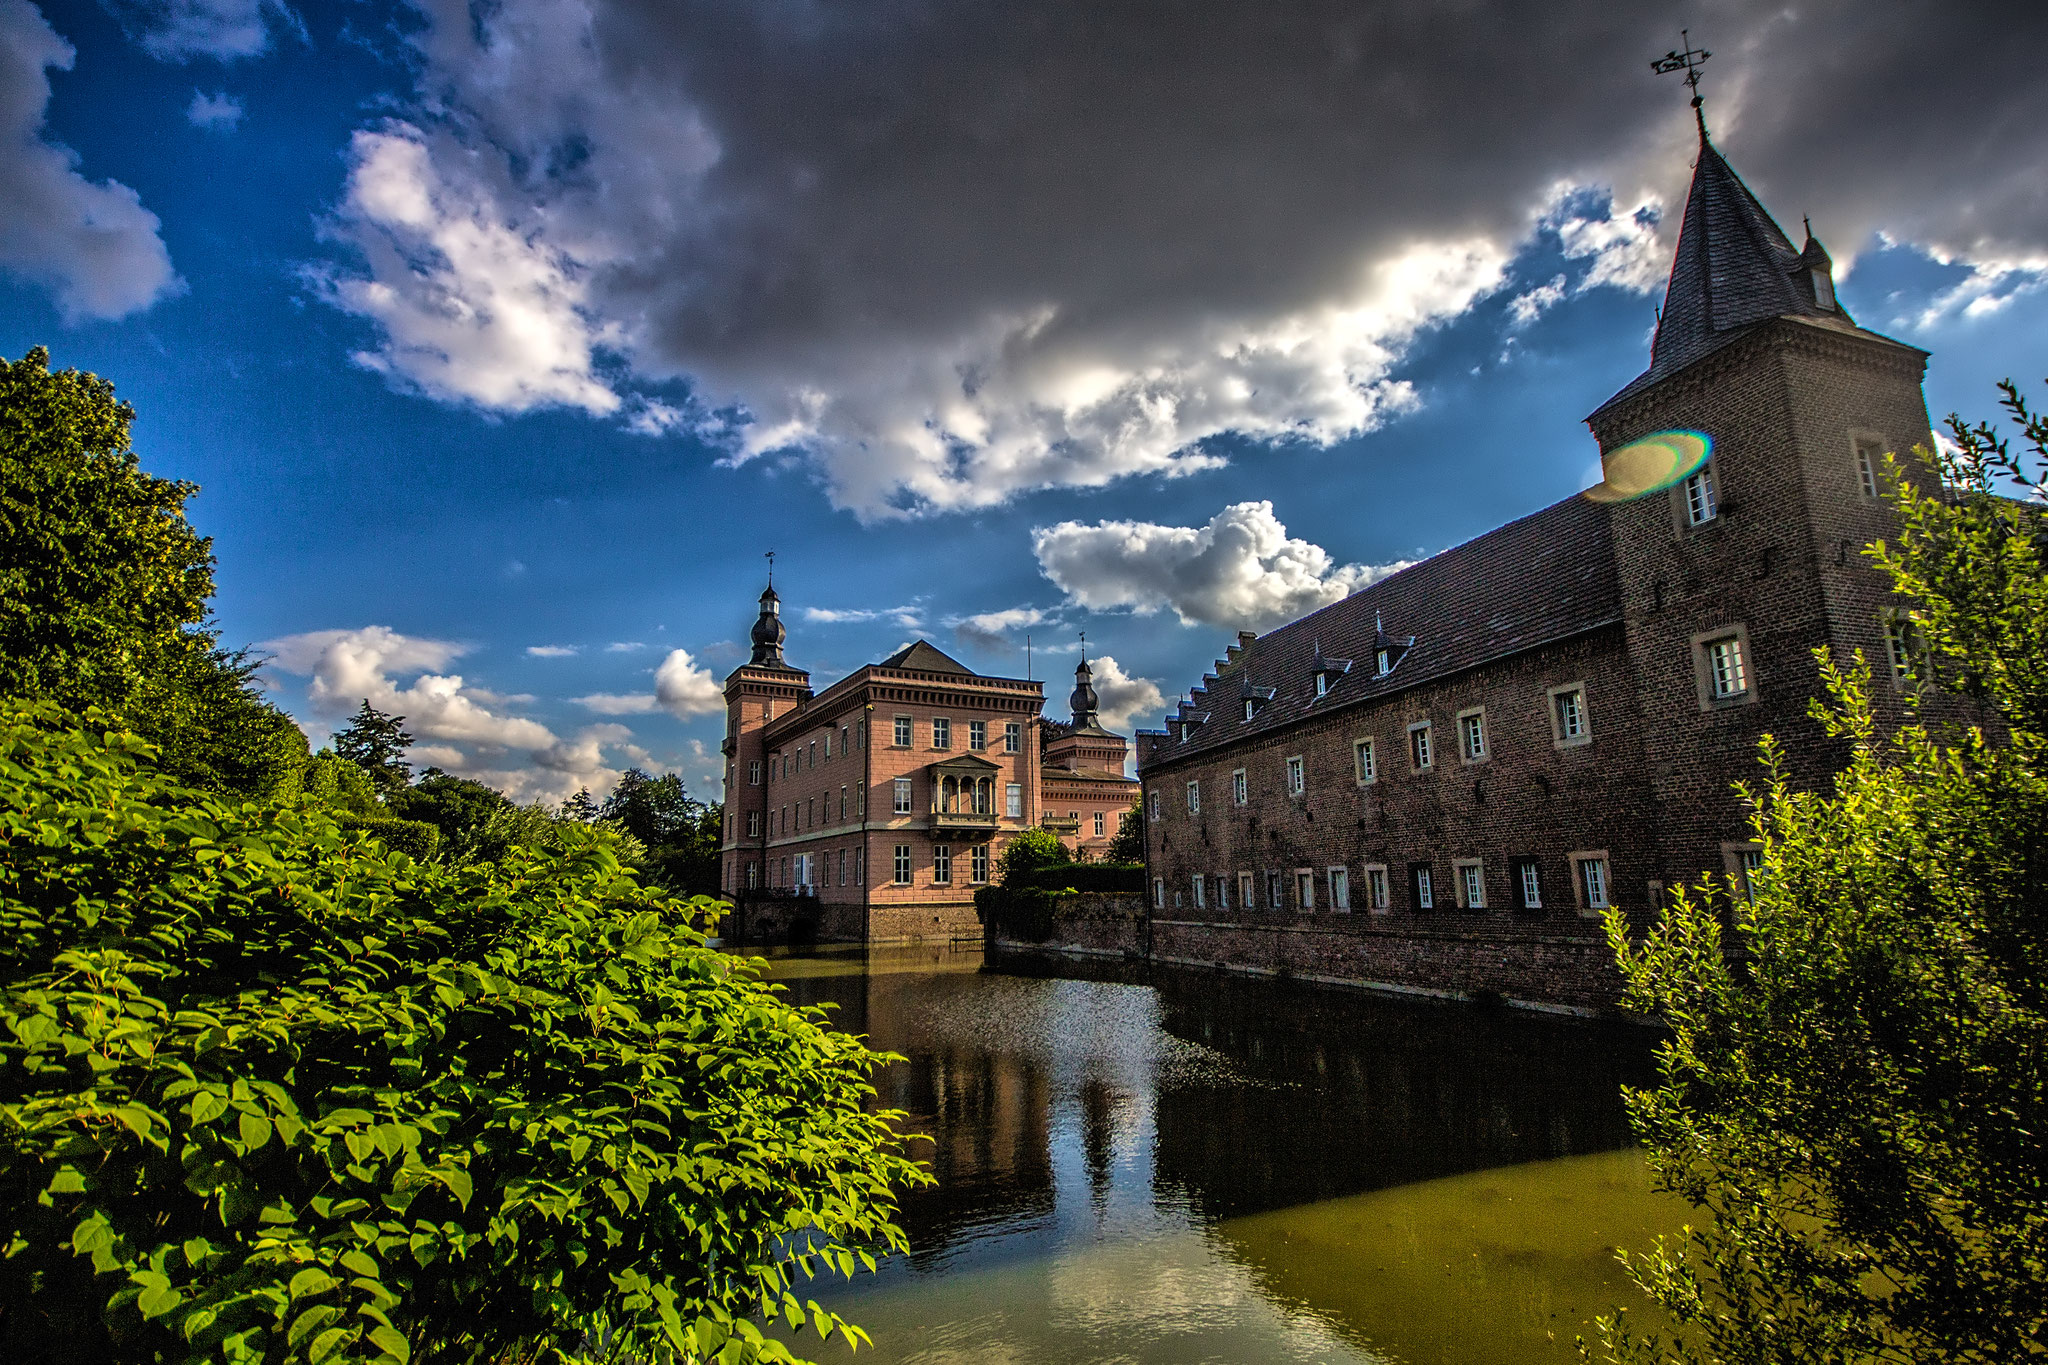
[(1083, 700), (768, 631)]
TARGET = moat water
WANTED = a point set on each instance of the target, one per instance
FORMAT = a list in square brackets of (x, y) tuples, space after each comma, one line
[(1155, 1167)]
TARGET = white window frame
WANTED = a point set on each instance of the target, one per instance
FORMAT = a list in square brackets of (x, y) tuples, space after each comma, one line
[(1276, 889), (902, 794), (1159, 893), (1471, 883), (942, 733), (1247, 891), (753, 824), (1592, 872), (1529, 883), (1013, 736), (1101, 824), (977, 736), (1365, 761), (942, 864), (1297, 776), (1557, 698), (1340, 889), (1700, 498), (1222, 892), (1195, 797), (1305, 890), (1378, 890), (1240, 787), (753, 772), (1322, 684), (1708, 675), (1868, 450), (1152, 804), (1200, 885), (1901, 646), (1421, 747), (902, 735), (1742, 859), (1013, 800), (1472, 735), (903, 869), (1422, 880), (1383, 663)]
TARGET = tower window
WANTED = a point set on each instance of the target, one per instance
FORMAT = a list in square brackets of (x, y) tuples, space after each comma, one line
[(1700, 504), (1365, 761), (902, 735), (1420, 755), (1899, 646), (1727, 669), (1869, 455), (1194, 798), (1100, 822), (1240, 788), (1013, 800), (1472, 734), (902, 806), (977, 734), (942, 733), (1013, 737), (1297, 782), (1425, 887), (1472, 885), (1568, 715)]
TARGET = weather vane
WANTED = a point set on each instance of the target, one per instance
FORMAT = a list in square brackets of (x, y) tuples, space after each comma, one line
[(1688, 59), (1084, 646), (771, 568)]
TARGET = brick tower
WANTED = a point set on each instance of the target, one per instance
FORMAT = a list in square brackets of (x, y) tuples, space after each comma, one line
[(1729, 579), (756, 692)]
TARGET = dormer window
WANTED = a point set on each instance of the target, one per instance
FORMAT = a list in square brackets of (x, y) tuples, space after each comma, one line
[(1251, 708), (1385, 662), (1322, 684)]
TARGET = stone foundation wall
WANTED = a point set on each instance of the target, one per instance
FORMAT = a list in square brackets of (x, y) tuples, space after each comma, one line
[(1568, 972), (909, 923)]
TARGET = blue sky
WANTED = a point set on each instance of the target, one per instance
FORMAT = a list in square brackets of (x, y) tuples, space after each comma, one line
[(503, 345)]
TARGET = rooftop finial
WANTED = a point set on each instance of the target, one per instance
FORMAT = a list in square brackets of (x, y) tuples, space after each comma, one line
[(1084, 646), (1688, 59), (771, 568)]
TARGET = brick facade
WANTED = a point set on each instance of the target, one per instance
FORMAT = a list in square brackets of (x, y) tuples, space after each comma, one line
[(1632, 608), (874, 809)]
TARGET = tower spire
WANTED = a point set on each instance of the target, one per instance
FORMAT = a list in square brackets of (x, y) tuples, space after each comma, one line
[(1688, 59)]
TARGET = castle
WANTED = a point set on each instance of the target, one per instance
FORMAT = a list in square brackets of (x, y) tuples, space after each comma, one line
[(873, 810), (1439, 784)]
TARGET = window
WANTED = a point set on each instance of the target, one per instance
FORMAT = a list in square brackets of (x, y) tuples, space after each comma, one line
[(1240, 789), (1899, 646), (1322, 684), (1275, 895), (1305, 889), (1158, 893), (1419, 755), (902, 806), (1700, 506), (903, 864), (1471, 884), (1199, 883), (1250, 708), (814, 753), (860, 866), (1528, 884), (942, 733), (1222, 893), (1364, 762), (1296, 782), (1013, 800), (1383, 662), (1472, 735), (977, 734), (753, 824), (1750, 863), (828, 746), (1154, 805), (1376, 888), (753, 772), (902, 736), (977, 863), (1194, 798), (1727, 675), (1869, 457), (753, 875), (1244, 890), (1568, 715), (785, 765), (860, 800), (1340, 889), (1593, 888), (1013, 736), (942, 864), (845, 737), (810, 811), (1100, 824), (1425, 888)]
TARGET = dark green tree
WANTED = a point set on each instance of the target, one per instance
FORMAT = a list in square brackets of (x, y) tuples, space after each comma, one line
[(104, 588), (376, 741), (1029, 851), (1855, 1091), (679, 832), (1127, 845), (582, 806)]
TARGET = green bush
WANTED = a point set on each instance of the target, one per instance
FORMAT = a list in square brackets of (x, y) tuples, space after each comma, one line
[(1023, 915), (269, 1092), (1027, 852), (1101, 878), (414, 838)]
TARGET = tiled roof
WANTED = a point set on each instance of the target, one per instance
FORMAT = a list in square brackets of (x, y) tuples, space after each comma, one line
[(1546, 577), (923, 658), (1734, 268)]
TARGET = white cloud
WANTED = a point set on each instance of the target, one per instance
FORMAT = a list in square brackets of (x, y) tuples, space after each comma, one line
[(903, 618), (624, 647), (1526, 308), (553, 651), (992, 630), (351, 666), (471, 308), (176, 30), (682, 687), (1241, 571), (94, 246), (218, 112), (1125, 699)]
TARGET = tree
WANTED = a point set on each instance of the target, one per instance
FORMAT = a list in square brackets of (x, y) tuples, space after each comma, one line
[(104, 588), (376, 741), (582, 806), (680, 833), (1029, 851), (1127, 845), (1856, 1084), (347, 1107)]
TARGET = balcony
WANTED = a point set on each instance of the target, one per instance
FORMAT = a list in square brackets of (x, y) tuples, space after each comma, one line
[(964, 822)]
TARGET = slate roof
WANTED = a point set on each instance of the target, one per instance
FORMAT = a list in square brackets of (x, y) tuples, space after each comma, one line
[(1734, 268), (923, 658), (1546, 577)]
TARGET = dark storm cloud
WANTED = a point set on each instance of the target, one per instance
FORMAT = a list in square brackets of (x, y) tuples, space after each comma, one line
[(950, 251)]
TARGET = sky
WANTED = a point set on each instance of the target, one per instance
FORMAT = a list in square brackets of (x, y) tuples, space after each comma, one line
[(504, 341)]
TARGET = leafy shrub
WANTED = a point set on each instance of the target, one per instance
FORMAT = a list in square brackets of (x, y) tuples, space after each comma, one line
[(413, 838), (1027, 852), (1102, 878), (270, 1091)]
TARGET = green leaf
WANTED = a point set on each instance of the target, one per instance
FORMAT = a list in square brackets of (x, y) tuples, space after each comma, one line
[(255, 1130), (394, 1344), (458, 1182), (312, 1280), (328, 1342)]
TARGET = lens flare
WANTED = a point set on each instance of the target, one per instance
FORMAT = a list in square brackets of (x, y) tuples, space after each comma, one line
[(1655, 462)]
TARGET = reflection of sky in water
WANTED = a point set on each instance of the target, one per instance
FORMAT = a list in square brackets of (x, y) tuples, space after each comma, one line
[(1200, 1169)]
